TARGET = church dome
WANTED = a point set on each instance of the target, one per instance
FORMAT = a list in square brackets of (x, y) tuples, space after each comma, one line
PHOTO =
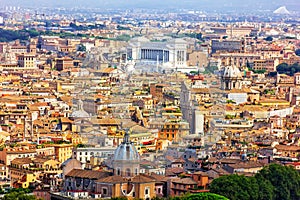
[(126, 151), (231, 72), (80, 113), (130, 67)]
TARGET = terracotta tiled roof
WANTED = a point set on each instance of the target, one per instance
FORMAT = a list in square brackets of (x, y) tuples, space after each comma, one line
[(107, 121), (180, 160), (67, 99), (23, 161), (169, 173), (212, 159), (159, 178), (201, 173), (138, 129), (215, 173), (111, 179), (142, 179), (246, 165), (34, 108), (128, 123), (65, 120), (229, 161), (107, 70), (170, 158), (184, 181), (175, 170), (40, 104), (192, 159), (80, 173), (287, 147)]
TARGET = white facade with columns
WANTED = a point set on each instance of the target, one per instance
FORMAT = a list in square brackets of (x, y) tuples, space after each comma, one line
[(168, 54)]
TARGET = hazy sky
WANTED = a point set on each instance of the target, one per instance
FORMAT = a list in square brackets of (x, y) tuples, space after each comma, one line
[(189, 4)]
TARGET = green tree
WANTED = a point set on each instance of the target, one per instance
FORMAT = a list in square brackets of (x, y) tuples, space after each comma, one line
[(225, 37), (284, 68), (122, 28), (204, 196), (81, 47), (235, 187), (266, 189), (18, 196), (269, 38), (210, 69), (260, 71), (285, 180), (199, 36), (124, 37), (273, 182), (248, 65)]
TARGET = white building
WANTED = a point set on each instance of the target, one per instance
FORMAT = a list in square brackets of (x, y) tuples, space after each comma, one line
[(221, 124), (198, 122), (171, 54), (84, 155), (238, 97), (230, 78)]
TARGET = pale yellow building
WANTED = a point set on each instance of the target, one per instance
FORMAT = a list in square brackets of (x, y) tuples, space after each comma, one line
[(62, 151), (27, 61)]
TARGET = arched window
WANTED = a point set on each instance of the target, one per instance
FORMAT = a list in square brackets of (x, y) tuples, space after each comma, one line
[(118, 172), (128, 172), (136, 171)]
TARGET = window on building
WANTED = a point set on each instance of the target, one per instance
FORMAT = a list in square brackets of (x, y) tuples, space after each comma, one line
[(128, 172), (118, 172), (146, 191), (104, 191)]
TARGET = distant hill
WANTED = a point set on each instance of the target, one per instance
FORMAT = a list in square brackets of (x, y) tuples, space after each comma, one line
[(224, 5)]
